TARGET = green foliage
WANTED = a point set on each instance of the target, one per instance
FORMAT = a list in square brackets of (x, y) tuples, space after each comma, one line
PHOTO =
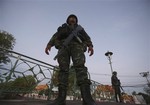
[(7, 41), (42, 92), (55, 77), (72, 86), (134, 93), (20, 85), (24, 83)]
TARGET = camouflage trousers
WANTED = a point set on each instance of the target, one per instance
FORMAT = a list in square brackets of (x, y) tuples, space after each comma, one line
[(74, 52)]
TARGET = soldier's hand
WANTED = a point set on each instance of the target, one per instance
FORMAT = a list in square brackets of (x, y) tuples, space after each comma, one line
[(90, 50), (47, 49)]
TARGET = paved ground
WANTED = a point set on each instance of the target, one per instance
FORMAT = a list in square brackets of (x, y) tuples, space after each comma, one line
[(39, 102)]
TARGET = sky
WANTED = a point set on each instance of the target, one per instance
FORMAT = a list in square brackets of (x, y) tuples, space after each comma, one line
[(119, 26)]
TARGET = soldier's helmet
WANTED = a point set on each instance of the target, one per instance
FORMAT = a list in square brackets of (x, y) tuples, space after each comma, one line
[(114, 73), (72, 15)]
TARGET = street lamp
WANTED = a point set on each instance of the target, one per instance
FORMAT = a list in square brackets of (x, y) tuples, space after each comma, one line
[(109, 55)]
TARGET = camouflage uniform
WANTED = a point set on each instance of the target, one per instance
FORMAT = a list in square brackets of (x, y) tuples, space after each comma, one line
[(74, 51), (116, 85)]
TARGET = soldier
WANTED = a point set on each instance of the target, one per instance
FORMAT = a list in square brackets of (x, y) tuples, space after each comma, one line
[(75, 51), (116, 86)]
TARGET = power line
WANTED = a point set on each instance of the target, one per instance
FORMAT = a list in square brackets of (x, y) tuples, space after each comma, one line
[(137, 85), (118, 75), (100, 74)]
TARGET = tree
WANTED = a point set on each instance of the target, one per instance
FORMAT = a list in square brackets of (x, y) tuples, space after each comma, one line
[(7, 41), (54, 78), (20, 85), (27, 83), (134, 93), (72, 86)]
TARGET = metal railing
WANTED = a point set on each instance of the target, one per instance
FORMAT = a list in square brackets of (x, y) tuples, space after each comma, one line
[(22, 66), (31, 72)]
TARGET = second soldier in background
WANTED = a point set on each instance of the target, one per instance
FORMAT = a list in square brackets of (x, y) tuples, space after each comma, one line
[(116, 86)]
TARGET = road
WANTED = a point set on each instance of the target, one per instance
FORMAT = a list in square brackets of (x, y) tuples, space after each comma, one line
[(43, 102)]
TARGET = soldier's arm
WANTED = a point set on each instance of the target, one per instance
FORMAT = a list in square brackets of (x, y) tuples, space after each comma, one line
[(87, 40), (50, 43), (52, 40)]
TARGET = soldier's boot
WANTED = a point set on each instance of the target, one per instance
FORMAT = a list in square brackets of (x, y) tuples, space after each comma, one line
[(83, 103), (86, 95), (61, 98)]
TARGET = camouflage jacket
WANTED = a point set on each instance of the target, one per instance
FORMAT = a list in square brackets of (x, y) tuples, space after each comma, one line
[(63, 32)]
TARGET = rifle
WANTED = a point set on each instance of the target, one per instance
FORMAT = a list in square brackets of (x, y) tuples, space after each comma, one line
[(73, 34), (122, 89)]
